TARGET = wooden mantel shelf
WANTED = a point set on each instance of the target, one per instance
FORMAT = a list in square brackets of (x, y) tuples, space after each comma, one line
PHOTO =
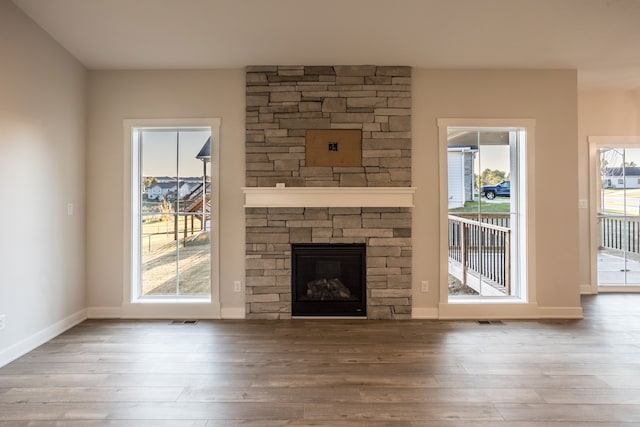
[(328, 197)]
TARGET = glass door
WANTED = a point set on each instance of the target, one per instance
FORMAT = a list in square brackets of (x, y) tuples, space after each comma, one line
[(486, 211), (173, 213), (618, 213)]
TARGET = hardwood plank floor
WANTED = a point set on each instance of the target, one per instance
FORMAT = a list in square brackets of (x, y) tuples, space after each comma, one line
[(335, 373)]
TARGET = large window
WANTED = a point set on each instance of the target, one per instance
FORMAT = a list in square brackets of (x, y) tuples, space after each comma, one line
[(173, 215), (173, 212), (486, 211)]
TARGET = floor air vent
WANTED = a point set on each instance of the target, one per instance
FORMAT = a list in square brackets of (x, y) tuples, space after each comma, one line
[(183, 322), (490, 322)]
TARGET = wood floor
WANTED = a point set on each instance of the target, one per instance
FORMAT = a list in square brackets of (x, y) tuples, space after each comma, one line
[(335, 373)]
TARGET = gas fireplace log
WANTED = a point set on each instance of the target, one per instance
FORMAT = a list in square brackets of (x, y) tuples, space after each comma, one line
[(327, 289)]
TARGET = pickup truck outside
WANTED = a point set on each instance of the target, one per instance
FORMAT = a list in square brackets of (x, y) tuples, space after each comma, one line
[(501, 189)]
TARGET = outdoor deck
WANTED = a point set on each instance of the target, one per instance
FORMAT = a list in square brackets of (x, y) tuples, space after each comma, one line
[(619, 252), (613, 270)]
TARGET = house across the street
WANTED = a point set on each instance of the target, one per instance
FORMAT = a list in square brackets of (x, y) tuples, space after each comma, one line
[(460, 175), (622, 177)]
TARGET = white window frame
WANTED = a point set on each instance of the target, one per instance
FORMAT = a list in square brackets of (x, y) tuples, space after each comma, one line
[(133, 306), (524, 305)]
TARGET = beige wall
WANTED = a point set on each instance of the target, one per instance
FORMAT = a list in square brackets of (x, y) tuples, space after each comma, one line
[(42, 127), (118, 95), (549, 97), (601, 113)]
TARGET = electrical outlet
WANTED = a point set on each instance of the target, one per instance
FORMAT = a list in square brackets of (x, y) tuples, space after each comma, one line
[(69, 209), (424, 286), (2, 321), (237, 286)]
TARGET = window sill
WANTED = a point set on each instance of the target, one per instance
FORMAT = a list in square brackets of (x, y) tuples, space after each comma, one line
[(171, 300)]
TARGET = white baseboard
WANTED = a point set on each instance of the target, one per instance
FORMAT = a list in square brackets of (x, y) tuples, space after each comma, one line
[(560, 312), (116, 313), (627, 289), (232, 313), (26, 345), (170, 310), (467, 310), (103, 312), (424, 313), (492, 311)]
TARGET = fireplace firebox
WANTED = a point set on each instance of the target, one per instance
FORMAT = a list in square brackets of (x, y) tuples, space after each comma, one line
[(328, 280)]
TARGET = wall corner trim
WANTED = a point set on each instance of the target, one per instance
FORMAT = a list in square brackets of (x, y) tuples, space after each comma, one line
[(232, 313), (586, 289)]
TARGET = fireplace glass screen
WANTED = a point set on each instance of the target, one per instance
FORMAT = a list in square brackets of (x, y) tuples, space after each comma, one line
[(328, 280)]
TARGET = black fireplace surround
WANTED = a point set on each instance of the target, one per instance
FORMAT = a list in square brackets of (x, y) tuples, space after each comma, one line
[(328, 280)]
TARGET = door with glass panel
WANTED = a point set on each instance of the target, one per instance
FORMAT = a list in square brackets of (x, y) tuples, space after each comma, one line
[(618, 213), (172, 213), (486, 211)]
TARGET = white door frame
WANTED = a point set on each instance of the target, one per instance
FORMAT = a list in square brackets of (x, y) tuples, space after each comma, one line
[(526, 305)]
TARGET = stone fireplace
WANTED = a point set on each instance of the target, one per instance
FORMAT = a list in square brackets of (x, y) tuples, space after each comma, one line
[(291, 204)]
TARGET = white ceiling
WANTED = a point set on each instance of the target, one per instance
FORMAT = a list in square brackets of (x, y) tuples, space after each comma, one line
[(600, 38)]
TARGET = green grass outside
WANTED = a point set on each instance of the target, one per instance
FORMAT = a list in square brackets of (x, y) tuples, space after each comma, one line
[(483, 206)]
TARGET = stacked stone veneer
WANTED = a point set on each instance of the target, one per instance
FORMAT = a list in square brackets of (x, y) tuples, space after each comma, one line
[(282, 103)]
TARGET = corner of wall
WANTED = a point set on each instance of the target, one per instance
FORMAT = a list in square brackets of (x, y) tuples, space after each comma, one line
[(41, 337)]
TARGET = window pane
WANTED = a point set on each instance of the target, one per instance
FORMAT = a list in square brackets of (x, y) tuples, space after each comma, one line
[(481, 202), (175, 211), (619, 217), (158, 254)]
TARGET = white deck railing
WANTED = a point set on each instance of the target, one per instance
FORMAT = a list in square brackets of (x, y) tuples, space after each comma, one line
[(482, 247), (620, 233)]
